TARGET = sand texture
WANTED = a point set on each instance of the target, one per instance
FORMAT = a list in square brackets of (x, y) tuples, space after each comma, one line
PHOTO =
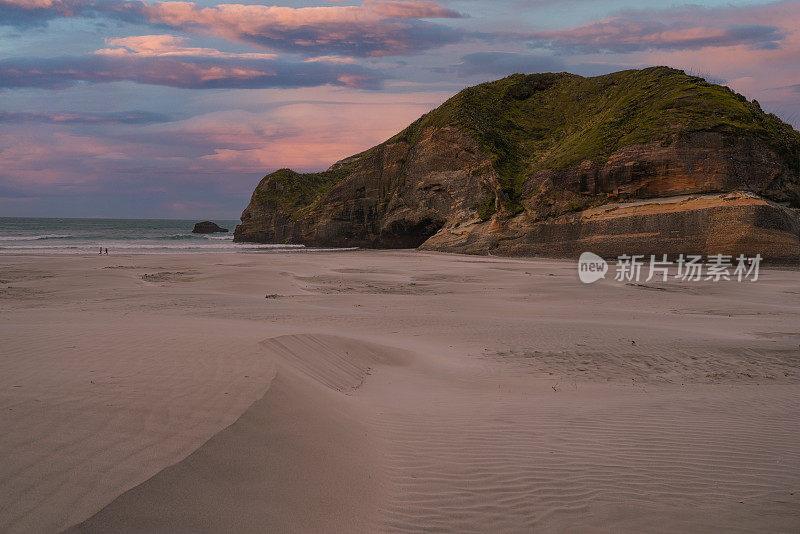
[(392, 391)]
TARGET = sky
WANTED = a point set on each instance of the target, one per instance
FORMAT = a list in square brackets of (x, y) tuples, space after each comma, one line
[(173, 109)]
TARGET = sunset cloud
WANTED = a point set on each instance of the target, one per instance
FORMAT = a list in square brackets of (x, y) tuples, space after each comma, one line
[(374, 28), (122, 117), (681, 28), (25, 13), (186, 72), (219, 155), (168, 45), (616, 35)]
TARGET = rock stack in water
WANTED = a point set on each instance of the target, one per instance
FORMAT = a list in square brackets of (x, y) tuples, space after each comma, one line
[(208, 227)]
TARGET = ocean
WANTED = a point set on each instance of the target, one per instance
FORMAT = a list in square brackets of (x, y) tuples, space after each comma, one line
[(23, 235)]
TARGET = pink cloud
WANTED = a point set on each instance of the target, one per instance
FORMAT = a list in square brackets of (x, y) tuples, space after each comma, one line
[(330, 59), (374, 28), (218, 156), (250, 19), (162, 62), (34, 3), (303, 135), (167, 45), (60, 159), (409, 9), (679, 28)]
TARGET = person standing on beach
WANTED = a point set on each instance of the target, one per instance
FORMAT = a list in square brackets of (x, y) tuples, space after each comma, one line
[(106, 252), (101, 251)]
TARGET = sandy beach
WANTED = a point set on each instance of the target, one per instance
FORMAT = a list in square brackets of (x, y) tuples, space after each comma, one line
[(392, 391)]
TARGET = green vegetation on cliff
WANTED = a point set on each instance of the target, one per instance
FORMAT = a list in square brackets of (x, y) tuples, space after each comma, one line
[(293, 191), (527, 123), (532, 122)]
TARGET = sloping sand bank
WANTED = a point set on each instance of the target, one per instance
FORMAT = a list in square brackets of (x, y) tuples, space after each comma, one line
[(299, 459), (392, 392)]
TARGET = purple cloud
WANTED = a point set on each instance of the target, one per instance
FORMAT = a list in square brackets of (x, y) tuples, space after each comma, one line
[(184, 72), (692, 27), (374, 28), (123, 117)]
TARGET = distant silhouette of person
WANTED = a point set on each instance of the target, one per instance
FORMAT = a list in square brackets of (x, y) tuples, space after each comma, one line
[(101, 251), (106, 252)]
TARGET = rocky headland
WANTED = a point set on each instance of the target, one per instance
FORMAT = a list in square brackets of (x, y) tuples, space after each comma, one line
[(638, 161)]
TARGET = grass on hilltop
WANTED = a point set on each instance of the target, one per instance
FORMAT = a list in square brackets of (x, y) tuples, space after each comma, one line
[(531, 122)]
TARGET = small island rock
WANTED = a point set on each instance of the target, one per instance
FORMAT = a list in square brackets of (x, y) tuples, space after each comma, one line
[(208, 227)]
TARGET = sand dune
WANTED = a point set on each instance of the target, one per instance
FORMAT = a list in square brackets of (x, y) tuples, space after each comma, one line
[(299, 459), (392, 392)]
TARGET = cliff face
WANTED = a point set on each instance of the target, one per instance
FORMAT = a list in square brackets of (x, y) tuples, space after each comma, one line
[(395, 196), (521, 166)]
